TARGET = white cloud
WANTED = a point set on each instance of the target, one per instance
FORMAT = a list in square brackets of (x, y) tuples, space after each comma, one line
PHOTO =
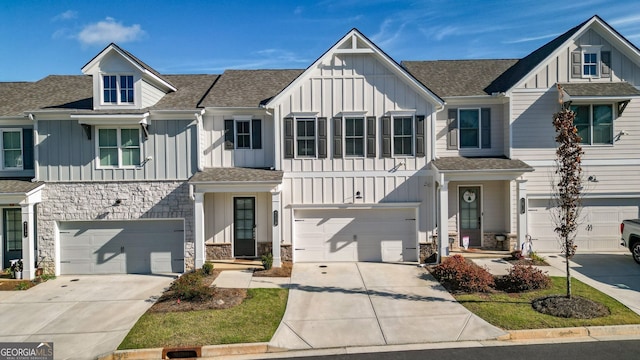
[(67, 15), (535, 38), (108, 30)]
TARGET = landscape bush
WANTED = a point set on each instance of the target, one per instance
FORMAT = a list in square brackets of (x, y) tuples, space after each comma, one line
[(458, 274), (190, 286), (523, 278), (207, 268)]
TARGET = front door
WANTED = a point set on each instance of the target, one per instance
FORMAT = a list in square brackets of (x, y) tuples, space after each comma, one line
[(244, 219), (12, 235), (470, 216)]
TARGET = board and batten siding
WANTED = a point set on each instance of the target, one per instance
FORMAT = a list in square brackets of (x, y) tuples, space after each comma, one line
[(341, 189), (499, 138), (354, 83), (218, 228), (215, 154), (66, 154), (558, 69), (495, 201)]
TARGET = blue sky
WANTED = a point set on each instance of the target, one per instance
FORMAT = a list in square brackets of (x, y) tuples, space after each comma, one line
[(38, 38)]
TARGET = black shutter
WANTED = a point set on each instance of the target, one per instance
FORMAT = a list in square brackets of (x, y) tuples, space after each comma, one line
[(337, 137), (605, 67), (576, 64), (229, 135), (322, 137), (27, 149), (386, 136), (256, 134), (485, 124), (420, 143), (288, 138), (452, 130), (371, 136)]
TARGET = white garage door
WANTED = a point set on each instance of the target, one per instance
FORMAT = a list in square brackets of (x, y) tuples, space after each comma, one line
[(355, 235), (598, 229), (121, 247)]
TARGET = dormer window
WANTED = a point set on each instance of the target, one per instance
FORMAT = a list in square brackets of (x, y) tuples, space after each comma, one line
[(118, 89), (590, 64)]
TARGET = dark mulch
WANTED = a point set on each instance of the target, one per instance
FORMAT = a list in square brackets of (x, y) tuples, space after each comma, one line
[(220, 299), (11, 284), (576, 307), (284, 271)]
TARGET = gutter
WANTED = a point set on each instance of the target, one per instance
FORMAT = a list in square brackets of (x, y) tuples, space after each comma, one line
[(198, 116), (36, 148)]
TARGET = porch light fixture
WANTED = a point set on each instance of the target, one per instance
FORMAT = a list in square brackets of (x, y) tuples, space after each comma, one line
[(358, 196)]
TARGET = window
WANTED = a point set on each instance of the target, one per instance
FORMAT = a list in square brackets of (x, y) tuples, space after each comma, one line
[(590, 64), (403, 135), (306, 136), (243, 134), (354, 136), (12, 149), (594, 123), (469, 128), (119, 147), (13, 229), (117, 89)]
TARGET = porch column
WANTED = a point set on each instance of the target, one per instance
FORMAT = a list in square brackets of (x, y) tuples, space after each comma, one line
[(28, 243), (276, 223), (199, 248), (522, 211), (443, 223)]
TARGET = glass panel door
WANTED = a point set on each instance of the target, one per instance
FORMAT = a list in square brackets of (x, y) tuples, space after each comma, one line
[(470, 216), (12, 235), (244, 227)]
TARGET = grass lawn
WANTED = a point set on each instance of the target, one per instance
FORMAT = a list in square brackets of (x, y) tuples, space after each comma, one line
[(514, 311), (255, 320)]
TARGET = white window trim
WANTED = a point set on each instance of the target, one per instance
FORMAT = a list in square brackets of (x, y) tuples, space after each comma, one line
[(118, 88), (295, 137), (119, 145), (479, 129), (590, 49), (613, 118), (364, 134), (17, 168), (413, 133)]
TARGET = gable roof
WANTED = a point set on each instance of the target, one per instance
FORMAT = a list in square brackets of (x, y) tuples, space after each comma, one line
[(248, 88), (458, 77), (146, 69), (355, 42)]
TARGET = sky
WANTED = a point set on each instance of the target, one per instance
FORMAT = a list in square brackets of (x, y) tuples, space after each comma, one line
[(39, 38)]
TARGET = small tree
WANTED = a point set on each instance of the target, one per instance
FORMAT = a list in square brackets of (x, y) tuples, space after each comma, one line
[(568, 186)]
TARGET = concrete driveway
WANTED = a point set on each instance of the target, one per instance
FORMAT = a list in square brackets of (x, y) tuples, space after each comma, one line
[(84, 316), (615, 274), (364, 304)]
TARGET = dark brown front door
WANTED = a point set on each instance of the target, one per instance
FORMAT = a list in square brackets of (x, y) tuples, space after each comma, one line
[(244, 221), (470, 213)]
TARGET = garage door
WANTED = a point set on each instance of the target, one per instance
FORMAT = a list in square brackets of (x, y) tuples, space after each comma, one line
[(120, 247), (598, 229), (355, 235)]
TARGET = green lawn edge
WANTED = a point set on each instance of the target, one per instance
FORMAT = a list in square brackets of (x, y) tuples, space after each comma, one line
[(255, 320), (514, 311)]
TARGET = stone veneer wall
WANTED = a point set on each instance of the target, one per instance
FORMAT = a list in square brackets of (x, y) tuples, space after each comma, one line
[(78, 201)]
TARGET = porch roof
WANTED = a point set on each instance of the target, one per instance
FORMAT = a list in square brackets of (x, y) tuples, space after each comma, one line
[(595, 89), (18, 186), (237, 175), (475, 164)]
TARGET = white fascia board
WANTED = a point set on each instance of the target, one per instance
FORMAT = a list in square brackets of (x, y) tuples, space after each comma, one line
[(399, 205), (111, 119), (476, 100), (211, 187)]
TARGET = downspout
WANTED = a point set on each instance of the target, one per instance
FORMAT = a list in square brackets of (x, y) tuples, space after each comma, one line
[(198, 140), (36, 157)]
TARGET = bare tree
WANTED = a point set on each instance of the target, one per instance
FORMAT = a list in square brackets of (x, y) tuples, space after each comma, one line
[(569, 184)]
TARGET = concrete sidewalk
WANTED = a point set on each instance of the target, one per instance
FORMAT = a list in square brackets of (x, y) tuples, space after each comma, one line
[(370, 304), (244, 279)]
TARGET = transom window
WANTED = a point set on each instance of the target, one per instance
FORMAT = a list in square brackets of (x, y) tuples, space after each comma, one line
[(306, 136), (118, 89), (594, 123), (354, 136), (119, 147), (12, 149), (469, 128), (243, 134), (403, 135)]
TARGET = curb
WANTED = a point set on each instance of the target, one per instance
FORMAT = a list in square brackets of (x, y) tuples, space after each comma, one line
[(587, 331), (207, 351)]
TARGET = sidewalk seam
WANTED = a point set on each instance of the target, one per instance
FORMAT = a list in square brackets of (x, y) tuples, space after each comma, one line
[(372, 307)]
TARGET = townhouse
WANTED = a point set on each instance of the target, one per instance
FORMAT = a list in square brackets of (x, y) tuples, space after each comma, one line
[(355, 158)]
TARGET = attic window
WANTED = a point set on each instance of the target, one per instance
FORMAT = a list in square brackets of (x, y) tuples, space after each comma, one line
[(117, 89)]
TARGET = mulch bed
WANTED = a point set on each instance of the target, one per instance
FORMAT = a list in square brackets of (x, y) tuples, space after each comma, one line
[(284, 271), (576, 307)]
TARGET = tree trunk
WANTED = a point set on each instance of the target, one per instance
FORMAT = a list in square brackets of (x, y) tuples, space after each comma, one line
[(568, 278)]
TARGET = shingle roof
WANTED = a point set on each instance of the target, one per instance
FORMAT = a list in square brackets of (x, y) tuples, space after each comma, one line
[(191, 91), (248, 88), (458, 77), (477, 164), (18, 186), (235, 175), (608, 89)]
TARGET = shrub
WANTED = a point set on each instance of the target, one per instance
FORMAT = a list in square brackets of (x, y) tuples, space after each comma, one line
[(516, 255), (267, 261), (207, 268), (537, 258), (524, 278), (461, 275), (191, 287)]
